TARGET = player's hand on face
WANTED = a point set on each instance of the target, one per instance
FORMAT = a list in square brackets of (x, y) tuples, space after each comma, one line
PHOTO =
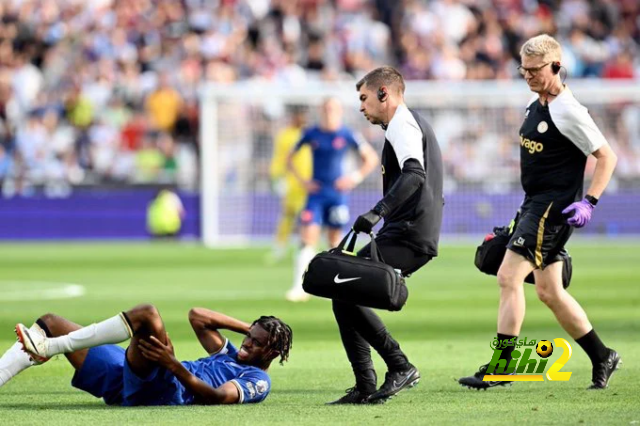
[(345, 183), (312, 186), (156, 351)]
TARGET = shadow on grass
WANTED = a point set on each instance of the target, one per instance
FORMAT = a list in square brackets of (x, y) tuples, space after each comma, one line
[(93, 406), (31, 393), (30, 406)]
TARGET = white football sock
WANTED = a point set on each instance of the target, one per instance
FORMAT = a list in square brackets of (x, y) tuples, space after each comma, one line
[(15, 360), (305, 256), (110, 331)]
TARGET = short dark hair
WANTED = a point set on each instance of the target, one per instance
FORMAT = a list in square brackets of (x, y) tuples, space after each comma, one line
[(297, 109), (280, 335), (383, 76)]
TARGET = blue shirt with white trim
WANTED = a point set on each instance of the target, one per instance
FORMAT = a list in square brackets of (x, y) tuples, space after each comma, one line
[(329, 151), (253, 383)]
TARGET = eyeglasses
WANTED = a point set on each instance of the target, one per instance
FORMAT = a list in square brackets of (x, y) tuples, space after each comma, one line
[(533, 70)]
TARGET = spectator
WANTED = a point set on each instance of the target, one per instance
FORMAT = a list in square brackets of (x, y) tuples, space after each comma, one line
[(163, 105), (108, 64), (621, 66)]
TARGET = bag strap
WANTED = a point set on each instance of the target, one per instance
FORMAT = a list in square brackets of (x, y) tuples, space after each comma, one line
[(375, 251), (376, 256), (352, 244)]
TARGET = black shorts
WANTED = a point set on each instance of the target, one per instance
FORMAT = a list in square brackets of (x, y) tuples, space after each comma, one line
[(539, 235), (397, 255)]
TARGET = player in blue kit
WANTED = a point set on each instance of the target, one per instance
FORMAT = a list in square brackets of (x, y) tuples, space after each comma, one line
[(147, 372), (327, 202)]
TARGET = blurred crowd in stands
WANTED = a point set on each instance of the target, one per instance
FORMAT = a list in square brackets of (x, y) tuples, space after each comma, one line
[(105, 91)]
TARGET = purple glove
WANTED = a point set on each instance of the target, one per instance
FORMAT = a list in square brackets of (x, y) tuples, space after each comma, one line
[(581, 213)]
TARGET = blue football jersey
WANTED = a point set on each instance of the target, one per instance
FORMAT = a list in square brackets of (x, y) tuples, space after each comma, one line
[(253, 383), (329, 150)]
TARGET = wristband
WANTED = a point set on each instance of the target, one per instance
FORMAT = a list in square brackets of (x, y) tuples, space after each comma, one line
[(591, 199), (380, 209)]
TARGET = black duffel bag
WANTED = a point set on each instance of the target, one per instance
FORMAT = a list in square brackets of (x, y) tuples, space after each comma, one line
[(341, 275), (490, 253)]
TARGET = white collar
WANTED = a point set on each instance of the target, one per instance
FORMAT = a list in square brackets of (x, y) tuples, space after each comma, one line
[(400, 110)]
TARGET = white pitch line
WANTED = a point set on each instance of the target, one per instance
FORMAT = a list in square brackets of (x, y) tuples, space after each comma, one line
[(15, 291)]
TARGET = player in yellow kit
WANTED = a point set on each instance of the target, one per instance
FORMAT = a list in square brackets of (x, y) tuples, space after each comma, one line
[(293, 194)]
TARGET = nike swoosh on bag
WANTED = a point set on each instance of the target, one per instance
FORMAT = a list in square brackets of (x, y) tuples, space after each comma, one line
[(339, 280)]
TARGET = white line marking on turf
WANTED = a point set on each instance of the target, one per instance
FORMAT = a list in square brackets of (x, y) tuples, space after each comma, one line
[(15, 291)]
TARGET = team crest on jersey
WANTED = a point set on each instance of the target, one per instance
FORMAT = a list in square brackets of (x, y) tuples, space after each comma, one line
[(339, 142), (543, 127), (262, 386)]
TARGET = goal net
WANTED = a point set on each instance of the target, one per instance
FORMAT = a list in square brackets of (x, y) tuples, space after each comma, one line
[(476, 124)]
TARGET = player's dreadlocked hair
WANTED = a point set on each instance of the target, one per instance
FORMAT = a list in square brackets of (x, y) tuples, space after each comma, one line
[(280, 335)]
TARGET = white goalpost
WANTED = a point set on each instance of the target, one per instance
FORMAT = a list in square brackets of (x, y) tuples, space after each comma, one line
[(476, 124)]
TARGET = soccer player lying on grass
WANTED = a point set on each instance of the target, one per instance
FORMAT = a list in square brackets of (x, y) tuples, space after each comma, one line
[(148, 373)]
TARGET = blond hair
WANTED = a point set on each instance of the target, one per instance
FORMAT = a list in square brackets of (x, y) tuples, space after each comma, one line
[(544, 46)]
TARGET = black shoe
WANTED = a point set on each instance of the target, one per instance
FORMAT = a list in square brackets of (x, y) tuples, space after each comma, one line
[(353, 396), (603, 371), (394, 382), (476, 382)]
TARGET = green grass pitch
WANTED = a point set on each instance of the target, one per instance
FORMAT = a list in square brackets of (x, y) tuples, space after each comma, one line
[(445, 329)]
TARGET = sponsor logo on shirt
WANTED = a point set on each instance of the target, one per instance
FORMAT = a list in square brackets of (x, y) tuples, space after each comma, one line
[(531, 145), (251, 389)]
